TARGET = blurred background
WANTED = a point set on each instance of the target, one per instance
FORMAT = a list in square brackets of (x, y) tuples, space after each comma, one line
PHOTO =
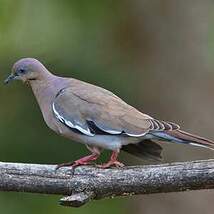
[(156, 55)]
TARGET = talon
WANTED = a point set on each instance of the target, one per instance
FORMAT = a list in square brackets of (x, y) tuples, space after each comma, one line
[(64, 165), (112, 162), (82, 161)]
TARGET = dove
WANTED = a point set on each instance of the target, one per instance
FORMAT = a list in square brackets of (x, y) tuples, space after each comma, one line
[(97, 118)]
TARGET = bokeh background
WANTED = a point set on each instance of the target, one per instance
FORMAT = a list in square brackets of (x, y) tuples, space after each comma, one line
[(156, 55)]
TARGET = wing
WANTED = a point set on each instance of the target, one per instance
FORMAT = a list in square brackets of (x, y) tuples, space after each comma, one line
[(93, 110)]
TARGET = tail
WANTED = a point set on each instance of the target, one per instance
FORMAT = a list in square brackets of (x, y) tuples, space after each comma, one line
[(179, 136)]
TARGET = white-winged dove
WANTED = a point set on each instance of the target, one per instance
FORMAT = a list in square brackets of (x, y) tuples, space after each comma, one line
[(96, 117)]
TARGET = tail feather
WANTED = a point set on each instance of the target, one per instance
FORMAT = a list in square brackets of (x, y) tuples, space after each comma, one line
[(187, 138), (149, 149)]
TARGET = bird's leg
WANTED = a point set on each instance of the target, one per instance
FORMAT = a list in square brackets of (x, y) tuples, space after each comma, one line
[(83, 161), (113, 161)]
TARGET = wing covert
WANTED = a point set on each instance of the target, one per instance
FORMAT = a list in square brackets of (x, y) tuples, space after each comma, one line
[(91, 109)]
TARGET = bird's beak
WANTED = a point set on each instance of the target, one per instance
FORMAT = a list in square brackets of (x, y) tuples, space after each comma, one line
[(9, 78)]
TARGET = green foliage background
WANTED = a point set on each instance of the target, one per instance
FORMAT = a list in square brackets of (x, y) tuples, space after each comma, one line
[(156, 55), (71, 38)]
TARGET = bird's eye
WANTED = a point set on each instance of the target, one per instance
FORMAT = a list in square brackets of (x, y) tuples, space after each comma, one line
[(21, 71)]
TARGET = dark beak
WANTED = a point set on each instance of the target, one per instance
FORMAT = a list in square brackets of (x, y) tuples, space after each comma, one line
[(9, 79)]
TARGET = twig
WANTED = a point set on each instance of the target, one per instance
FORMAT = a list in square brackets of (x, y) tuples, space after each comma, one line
[(89, 182)]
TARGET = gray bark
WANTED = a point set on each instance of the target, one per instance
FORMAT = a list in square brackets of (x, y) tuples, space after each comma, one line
[(88, 182)]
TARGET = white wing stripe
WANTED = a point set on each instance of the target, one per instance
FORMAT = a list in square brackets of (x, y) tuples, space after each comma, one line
[(70, 124), (135, 135), (107, 130), (57, 114), (87, 131)]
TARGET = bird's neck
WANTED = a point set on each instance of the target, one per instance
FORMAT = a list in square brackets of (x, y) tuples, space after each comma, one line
[(45, 91), (43, 87)]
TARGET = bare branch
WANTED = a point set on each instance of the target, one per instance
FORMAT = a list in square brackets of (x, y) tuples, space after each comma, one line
[(89, 182)]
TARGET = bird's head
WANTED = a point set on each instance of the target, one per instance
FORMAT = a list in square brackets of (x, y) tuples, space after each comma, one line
[(26, 69)]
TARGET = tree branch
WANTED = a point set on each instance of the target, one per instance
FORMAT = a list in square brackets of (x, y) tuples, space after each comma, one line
[(88, 182)]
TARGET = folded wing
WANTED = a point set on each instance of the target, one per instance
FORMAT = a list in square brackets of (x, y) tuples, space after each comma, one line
[(93, 110)]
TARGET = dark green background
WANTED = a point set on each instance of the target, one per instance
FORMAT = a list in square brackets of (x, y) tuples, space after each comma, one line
[(156, 55)]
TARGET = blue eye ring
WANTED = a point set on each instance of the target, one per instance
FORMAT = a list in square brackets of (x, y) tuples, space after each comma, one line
[(21, 71)]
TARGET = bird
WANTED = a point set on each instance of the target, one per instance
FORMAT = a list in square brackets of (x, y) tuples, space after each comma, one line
[(97, 118)]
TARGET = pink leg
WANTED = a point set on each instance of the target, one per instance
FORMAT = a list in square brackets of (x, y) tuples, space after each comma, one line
[(83, 161), (113, 161)]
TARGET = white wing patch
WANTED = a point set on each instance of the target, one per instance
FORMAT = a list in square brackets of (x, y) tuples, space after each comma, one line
[(116, 132), (135, 135), (110, 131), (88, 131), (70, 124)]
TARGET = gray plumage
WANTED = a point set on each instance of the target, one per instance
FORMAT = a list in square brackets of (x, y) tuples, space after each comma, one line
[(95, 116)]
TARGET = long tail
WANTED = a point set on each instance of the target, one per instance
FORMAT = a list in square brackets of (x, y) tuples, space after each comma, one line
[(179, 136)]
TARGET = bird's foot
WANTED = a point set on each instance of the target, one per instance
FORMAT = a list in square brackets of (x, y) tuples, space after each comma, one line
[(72, 164), (64, 164), (111, 163), (82, 161)]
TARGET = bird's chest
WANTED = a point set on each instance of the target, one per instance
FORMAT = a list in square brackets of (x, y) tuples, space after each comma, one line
[(49, 116), (45, 99)]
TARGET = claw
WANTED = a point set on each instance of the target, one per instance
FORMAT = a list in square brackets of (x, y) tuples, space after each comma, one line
[(112, 162), (63, 165), (82, 161)]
